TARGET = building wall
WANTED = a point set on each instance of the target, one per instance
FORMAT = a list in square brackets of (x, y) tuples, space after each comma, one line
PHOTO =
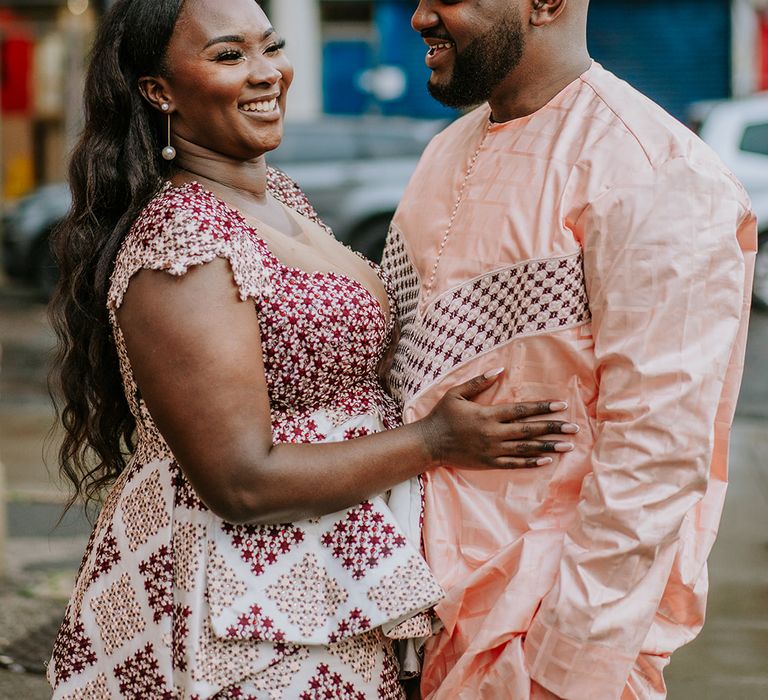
[(403, 49), (41, 90), (762, 69), (675, 51), (374, 61), (298, 21), (361, 56)]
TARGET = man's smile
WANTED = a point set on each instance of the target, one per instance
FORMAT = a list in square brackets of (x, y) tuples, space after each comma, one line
[(439, 49)]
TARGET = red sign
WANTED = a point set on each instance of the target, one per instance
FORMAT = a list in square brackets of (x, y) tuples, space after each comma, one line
[(15, 80), (16, 55)]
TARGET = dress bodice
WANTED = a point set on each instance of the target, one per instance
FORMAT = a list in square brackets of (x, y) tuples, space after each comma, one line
[(323, 333)]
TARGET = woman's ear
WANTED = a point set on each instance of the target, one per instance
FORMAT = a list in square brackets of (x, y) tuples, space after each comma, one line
[(155, 91)]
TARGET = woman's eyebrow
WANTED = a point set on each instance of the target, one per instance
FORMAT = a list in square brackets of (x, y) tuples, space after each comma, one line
[(236, 38)]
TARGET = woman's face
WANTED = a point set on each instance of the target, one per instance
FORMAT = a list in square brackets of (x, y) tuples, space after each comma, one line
[(227, 78)]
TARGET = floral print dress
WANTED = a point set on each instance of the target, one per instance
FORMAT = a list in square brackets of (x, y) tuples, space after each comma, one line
[(171, 602)]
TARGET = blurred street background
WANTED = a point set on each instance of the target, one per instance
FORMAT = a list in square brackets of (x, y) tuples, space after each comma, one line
[(359, 116)]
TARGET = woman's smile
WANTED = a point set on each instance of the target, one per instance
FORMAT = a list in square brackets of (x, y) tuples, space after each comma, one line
[(266, 108)]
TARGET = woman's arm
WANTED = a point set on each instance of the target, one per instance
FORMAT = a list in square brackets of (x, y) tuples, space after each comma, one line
[(195, 351)]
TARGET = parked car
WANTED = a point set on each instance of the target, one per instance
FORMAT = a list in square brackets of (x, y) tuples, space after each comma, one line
[(354, 171), (738, 131), (26, 254)]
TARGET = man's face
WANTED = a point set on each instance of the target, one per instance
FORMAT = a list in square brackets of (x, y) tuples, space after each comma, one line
[(473, 46)]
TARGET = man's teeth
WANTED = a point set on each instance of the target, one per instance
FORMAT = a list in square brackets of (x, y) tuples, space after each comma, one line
[(263, 106), (434, 49)]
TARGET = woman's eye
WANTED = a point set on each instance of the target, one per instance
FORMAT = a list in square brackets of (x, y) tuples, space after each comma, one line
[(229, 55), (274, 48)]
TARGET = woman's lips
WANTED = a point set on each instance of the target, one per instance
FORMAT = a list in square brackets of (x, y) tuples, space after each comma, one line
[(263, 109)]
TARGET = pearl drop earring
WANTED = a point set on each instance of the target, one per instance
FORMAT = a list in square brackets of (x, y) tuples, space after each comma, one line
[(169, 152)]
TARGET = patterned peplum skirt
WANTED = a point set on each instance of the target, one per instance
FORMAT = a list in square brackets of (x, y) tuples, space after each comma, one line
[(172, 602)]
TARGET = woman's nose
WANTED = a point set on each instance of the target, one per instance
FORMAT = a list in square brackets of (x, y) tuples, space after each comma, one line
[(263, 71)]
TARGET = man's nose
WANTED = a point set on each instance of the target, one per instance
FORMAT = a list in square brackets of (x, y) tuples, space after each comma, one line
[(424, 16)]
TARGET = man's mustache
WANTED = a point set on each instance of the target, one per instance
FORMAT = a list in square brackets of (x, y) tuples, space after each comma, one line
[(435, 34)]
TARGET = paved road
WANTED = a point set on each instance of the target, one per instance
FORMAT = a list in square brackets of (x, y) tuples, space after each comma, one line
[(729, 661)]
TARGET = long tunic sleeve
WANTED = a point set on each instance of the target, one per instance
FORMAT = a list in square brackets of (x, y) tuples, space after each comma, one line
[(666, 280)]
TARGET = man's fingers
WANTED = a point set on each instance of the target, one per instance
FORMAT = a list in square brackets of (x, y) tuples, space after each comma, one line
[(477, 385)]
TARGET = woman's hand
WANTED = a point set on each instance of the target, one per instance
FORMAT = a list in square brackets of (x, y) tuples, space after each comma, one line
[(186, 335), (465, 434)]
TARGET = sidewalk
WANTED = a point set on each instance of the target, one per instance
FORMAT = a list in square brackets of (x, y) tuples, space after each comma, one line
[(42, 555), (729, 660), (41, 559)]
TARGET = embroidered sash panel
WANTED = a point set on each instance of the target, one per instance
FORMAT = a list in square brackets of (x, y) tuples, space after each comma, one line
[(530, 298)]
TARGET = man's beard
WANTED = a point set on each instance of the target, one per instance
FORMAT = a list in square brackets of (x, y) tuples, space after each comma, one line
[(482, 65)]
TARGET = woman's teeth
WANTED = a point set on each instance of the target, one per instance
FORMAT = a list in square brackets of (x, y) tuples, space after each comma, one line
[(434, 49), (263, 106)]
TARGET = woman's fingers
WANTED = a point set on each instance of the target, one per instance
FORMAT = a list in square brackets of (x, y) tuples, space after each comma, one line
[(534, 429), (462, 432), (518, 411), (533, 448), (477, 385), (521, 462)]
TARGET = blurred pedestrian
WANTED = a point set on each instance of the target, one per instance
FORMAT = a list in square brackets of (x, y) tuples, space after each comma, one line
[(209, 328), (572, 231)]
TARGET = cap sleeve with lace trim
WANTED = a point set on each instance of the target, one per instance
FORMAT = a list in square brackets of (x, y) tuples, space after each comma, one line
[(186, 226)]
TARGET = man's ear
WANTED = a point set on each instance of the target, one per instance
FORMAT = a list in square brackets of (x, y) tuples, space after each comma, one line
[(155, 91), (545, 12)]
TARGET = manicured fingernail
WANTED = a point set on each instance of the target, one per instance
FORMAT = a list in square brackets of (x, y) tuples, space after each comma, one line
[(558, 406), (570, 429), (564, 446), (544, 461), (494, 372)]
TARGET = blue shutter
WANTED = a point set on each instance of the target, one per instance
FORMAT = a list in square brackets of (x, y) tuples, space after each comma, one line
[(343, 62), (674, 51), (400, 46)]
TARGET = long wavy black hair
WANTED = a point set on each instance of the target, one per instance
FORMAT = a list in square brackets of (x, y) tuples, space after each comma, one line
[(115, 169)]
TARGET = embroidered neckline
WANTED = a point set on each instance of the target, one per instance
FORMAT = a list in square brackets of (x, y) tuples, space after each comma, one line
[(387, 315), (459, 199)]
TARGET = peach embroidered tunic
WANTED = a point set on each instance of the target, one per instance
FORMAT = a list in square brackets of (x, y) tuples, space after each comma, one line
[(603, 255)]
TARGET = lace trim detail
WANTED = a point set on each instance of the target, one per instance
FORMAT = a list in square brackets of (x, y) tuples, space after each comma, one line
[(401, 277), (181, 228)]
